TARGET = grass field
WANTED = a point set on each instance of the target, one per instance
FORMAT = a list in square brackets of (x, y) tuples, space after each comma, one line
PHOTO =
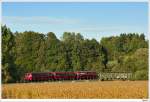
[(77, 90)]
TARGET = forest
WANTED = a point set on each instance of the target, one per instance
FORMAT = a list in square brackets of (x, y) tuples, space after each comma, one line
[(31, 51)]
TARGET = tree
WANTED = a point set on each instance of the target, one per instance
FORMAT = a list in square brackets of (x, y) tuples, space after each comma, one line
[(28, 52), (137, 63), (52, 49), (8, 66), (104, 58)]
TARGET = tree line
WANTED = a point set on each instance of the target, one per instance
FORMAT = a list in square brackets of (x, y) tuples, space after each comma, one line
[(31, 51)]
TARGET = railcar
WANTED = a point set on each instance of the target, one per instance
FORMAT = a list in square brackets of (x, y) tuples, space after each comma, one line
[(86, 75), (78, 75), (64, 75), (38, 76), (45, 76)]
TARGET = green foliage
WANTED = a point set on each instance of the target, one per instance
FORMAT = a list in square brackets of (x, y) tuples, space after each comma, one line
[(141, 75), (35, 52), (8, 66), (123, 45)]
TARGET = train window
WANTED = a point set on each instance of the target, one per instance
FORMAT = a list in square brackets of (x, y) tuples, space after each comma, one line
[(50, 74), (82, 73), (65, 74), (70, 74), (39, 74), (61, 74)]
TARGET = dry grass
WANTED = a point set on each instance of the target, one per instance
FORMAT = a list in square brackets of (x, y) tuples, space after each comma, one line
[(77, 90)]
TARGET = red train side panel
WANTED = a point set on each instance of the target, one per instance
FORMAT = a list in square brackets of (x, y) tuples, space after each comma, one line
[(45, 76), (86, 75), (37, 76), (64, 75)]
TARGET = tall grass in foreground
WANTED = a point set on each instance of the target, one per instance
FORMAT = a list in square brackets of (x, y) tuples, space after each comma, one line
[(77, 90)]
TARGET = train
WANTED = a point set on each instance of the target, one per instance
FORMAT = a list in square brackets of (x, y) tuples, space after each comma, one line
[(54, 76), (78, 75)]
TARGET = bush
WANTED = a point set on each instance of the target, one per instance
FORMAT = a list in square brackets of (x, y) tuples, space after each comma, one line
[(141, 75)]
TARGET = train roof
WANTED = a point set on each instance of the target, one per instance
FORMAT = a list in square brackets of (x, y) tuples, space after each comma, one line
[(36, 72), (62, 72), (85, 71)]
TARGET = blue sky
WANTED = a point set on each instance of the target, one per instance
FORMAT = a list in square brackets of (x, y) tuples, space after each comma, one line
[(92, 20)]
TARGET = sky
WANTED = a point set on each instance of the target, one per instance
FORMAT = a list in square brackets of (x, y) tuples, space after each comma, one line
[(92, 20)]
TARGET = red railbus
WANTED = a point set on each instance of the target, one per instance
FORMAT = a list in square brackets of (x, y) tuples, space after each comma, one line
[(37, 76), (86, 75), (45, 76), (64, 75)]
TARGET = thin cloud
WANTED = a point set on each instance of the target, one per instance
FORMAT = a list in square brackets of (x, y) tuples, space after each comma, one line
[(37, 20), (110, 28), (99, 29)]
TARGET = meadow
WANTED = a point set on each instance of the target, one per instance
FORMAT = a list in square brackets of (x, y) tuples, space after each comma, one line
[(77, 90)]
